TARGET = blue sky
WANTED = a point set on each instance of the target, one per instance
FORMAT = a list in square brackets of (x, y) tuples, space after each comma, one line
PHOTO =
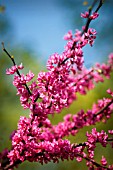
[(41, 26), (38, 24)]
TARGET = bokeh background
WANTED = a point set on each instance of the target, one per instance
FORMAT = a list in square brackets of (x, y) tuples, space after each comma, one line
[(32, 31)]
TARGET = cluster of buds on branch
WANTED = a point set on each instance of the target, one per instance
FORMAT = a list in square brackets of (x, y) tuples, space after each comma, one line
[(36, 139)]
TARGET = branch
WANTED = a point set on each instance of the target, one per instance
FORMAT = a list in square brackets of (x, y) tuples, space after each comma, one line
[(6, 164), (93, 162), (90, 10), (14, 63), (11, 57), (87, 24), (84, 143), (71, 124), (104, 108)]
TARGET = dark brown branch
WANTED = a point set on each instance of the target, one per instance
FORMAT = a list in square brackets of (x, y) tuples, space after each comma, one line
[(6, 164), (88, 159), (84, 76), (14, 63), (104, 108), (96, 114), (90, 10), (93, 162), (84, 143), (11, 57), (100, 4), (87, 24), (89, 19)]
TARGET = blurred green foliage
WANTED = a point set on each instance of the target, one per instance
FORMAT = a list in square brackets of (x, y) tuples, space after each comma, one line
[(10, 109)]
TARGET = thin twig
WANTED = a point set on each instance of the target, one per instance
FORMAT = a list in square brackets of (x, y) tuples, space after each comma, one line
[(104, 108), (14, 63), (93, 162), (11, 57), (90, 10)]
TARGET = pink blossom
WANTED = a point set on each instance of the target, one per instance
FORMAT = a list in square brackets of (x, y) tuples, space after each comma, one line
[(11, 70), (85, 15), (94, 15), (14, 69), (104, 161), (110, 131), (68, 36), (20, 66), (109, 91), (110, 61)]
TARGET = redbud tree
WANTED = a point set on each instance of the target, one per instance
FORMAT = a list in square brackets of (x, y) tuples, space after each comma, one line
[(36, 138)]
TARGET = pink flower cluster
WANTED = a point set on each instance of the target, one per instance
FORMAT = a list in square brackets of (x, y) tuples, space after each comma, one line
[(36, 139), (14, 69), (92, 139), (57, 88), (43, 142), (27, 147)]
